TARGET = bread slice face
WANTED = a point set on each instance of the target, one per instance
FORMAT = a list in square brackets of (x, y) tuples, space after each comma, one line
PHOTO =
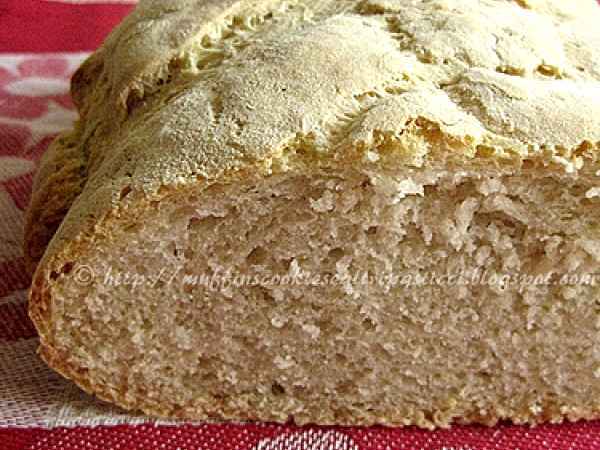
[(324, 212)]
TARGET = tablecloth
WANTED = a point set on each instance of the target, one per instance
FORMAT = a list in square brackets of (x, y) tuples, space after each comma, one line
[(41, 43)]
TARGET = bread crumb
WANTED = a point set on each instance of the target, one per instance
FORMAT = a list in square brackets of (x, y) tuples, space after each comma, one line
[(591, 247), (312, 330), (325, 203), (535, 409), (278, 321), (284, 363), (593, 192), (491, 186), (371, 156), (183, 338)]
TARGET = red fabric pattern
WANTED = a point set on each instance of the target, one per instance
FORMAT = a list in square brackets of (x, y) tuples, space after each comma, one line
[(30, 106), (281, 437), (45, 26)]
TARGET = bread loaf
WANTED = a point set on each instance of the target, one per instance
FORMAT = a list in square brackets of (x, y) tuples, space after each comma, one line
[(333, 212)]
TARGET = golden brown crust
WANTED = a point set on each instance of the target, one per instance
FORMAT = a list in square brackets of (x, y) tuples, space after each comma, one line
[(58, 182), (196, 90), (549, 99)]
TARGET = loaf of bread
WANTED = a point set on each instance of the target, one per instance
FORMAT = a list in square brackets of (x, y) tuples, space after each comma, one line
[(330, 211)]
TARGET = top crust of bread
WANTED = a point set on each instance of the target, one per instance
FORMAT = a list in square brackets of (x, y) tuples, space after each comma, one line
[(187, 90), (194, 91)]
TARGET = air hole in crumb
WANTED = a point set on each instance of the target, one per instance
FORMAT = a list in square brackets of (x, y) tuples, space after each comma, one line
[(528, 165), (209, 378), (340, 358), (267, 296), (240, 123), (125, 192), (368, 324), (299, 389), (371, 230), (194, 222), (134, 101), (302, 151), (429, 191), (336, 253), (345, 387), (326, 325), (277, 389), (67, 268), (257, 256)]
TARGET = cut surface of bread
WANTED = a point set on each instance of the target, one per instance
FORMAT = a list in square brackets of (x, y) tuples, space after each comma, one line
[(334, 212)]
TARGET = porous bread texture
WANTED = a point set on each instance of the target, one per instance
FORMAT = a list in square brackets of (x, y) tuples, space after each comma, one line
[(349, 352), (464, 133)]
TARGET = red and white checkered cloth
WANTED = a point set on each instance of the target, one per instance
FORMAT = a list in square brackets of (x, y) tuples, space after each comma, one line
[(41, 43)]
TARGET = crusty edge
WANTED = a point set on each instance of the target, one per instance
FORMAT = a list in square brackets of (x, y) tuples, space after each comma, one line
[(59, 180), (62, 170)]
